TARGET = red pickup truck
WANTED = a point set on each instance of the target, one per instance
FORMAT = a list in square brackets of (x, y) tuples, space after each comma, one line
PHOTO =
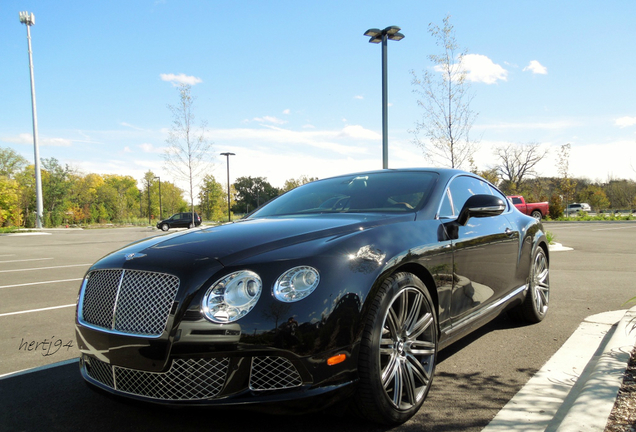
[(536, 210)]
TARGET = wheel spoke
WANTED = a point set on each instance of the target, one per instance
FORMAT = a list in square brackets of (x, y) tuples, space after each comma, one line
[(392, 324), (397, 385), (409, 387), (403, 305), (419, 328), (390, 371), (418, 370), (422, 348), (413, 314)]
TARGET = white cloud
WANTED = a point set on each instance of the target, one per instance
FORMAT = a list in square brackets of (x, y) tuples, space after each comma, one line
[(625, 121), (287, 111), (149, 148), (270, 119), (27, 138), (56, 142), (177, 80), (551, 125), (358, 97), (480, 68), (536, 68), (358, 132)]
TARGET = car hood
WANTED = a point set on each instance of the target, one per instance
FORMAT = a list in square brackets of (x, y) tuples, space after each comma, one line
[(234, 241)]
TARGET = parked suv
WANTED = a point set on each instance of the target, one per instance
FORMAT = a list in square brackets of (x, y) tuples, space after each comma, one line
[(179, 220), (576, 207)]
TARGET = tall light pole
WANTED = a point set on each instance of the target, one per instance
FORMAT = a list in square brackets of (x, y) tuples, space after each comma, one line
[(378, 36), (29, 20), (160, 207), (228, 154)]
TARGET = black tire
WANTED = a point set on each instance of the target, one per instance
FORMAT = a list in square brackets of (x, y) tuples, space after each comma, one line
[(191, 225), (535, 306), (398, 351), (536, 214), (165, 227)]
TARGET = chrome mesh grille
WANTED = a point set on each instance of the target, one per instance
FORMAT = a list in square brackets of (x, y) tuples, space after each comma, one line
[(129, 301), (273, 373), (187, 379)]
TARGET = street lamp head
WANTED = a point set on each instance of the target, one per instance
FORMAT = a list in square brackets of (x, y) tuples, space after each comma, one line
[(227, 154), (391, 32), (27, 18)]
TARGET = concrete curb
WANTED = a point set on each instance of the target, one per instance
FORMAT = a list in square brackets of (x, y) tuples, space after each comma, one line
[(577, 388), (591, 409)]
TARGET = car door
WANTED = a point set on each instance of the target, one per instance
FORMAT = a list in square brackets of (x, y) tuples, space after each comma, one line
[(484, 254)]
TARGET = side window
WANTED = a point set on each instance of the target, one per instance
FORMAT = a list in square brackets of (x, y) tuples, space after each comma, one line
[(516, 200), (496, 193), (446, 210), (460, 189)]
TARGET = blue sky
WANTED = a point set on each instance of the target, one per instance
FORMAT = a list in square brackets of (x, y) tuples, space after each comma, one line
[(294, 87)]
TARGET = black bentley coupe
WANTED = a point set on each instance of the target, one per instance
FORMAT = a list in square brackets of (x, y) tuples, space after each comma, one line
[(342, 290)]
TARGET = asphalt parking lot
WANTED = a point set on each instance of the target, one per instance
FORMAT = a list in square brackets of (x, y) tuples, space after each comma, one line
[(40, 277)]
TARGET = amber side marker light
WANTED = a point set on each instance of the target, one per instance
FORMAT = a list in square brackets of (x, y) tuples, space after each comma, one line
[(331, 361)]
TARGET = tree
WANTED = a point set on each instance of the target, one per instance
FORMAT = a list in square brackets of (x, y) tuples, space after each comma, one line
[(11, 162), (516, 162), (9, 202), (294, 183), (56, 185), (488, 175), (188, 151), (567, 185), (213, 199), (595, 196), (252, 192), (445, 99)]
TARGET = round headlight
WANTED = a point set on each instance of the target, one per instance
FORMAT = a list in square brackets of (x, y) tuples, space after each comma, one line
[(296, 284), (232, 297)]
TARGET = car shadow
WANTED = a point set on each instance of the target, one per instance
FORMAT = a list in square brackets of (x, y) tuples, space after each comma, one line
[(58, 399)]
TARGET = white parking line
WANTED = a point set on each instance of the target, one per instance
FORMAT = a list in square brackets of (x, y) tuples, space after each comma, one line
[(607, 229), (37, 310), (41, 283), (25, 260), (45, 268)]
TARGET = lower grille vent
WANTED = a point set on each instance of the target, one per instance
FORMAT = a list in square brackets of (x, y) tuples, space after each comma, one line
[(273, 373), (187, 379)]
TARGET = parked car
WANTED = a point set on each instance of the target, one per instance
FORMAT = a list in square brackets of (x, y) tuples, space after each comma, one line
[(577, 207), (179, 220), (343, 289), (536, 210)]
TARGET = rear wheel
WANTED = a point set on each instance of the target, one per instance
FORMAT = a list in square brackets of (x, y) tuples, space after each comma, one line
[(191, 225), (535, 306), (536, 214), (398, 351)]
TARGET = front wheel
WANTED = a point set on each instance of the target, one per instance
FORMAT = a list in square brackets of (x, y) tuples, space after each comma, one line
[(165, 227), (398, 351)]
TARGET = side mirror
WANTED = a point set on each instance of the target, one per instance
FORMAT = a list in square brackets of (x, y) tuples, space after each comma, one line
[(481, 206)]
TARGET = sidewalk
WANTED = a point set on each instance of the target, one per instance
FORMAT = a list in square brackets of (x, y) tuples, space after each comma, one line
[(576, 389)]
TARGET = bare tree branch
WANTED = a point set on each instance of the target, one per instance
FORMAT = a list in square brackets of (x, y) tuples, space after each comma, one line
[(445, 99), (188, 154), (518, 161)]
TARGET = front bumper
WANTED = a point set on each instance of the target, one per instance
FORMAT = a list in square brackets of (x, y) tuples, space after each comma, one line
[(229, 380)]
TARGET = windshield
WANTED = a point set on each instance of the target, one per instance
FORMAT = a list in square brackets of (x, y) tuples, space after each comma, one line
[(385, 192)]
